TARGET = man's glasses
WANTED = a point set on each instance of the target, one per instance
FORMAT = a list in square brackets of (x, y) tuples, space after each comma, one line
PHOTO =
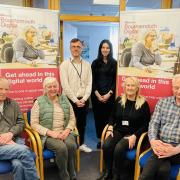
[(74, 47)]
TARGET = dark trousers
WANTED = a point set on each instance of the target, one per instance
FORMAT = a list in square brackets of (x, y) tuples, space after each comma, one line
[(114, 150), (65, 155), (101, 113), (81, 114), (156, 168)]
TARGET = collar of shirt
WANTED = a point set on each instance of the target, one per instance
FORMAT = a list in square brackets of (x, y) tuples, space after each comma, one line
[(1, 107), (173, 100), (72, 59)]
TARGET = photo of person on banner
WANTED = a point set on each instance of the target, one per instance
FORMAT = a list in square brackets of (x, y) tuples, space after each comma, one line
[(145, 54), (26, 50)]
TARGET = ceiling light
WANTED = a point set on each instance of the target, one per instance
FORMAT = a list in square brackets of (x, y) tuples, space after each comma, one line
[(106, 2)]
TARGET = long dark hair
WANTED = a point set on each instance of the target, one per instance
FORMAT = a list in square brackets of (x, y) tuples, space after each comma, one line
[(110, 55)]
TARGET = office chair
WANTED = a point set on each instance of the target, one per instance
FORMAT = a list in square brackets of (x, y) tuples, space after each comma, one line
[(6, 166), (7, 53), (46, 154), (130, 154), (144, 156), (125, 57)]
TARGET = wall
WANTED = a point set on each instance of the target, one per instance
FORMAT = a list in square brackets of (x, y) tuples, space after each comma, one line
[(12, 2), (96, 34), (70, 32)]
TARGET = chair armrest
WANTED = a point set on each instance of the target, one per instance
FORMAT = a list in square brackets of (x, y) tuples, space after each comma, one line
[(138, 152), (101, 151), (78, 139), (33, 146), (103, 135)]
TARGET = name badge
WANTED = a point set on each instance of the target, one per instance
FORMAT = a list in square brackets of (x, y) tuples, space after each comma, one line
[(125, 123)]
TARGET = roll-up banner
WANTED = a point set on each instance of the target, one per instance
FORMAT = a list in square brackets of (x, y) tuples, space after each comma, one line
[(149, 48), (29, 48)]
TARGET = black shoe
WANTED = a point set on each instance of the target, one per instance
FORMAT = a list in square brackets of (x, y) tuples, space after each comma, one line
[(105, 176), (102, 176), (98, 145), (74, 178), (117, 178), (108, 177)]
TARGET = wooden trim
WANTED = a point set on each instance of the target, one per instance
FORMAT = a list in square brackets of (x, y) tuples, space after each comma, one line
[(28, 3), (61, 41), (54, 4), (71, 17), (122, 5), (166, 4)]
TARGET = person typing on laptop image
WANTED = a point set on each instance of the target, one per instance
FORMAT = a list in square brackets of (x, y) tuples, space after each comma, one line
[(145, 54)]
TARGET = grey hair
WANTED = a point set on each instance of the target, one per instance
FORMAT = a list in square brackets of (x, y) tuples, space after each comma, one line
[(49, 80)]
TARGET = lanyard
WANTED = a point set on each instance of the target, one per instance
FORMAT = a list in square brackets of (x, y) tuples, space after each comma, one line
[(79, 74)]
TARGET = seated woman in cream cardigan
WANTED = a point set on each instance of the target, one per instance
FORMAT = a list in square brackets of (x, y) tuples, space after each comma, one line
[(53, 118)]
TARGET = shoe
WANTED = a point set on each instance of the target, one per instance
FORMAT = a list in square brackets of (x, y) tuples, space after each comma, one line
[(85, 148), (74, 178), (98, 145), (105, 176), (108, 177)]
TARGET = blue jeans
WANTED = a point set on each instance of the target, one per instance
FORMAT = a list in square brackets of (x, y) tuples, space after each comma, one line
[(22, 161)]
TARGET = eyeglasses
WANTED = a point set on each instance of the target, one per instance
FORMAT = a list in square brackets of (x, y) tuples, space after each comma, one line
[(78, 47)]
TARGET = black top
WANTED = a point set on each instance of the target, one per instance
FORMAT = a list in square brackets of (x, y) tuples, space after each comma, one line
[(128, 120), (104, 76)]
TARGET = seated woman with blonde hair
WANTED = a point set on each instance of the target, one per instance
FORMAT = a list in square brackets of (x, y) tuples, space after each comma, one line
[(53, 118), (129, 119)]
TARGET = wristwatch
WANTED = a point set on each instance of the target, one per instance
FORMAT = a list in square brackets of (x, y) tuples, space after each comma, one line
[(110, 92)]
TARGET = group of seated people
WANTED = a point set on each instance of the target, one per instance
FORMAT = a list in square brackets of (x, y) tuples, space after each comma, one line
[(53, 118)]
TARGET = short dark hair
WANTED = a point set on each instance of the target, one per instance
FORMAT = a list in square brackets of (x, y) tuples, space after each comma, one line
[(75, 40)]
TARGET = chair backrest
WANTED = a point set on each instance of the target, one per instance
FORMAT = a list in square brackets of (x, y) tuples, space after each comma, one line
[(7, 52), (8, 55), (126, 57)]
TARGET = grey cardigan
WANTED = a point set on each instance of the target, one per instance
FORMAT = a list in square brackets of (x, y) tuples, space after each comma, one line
[(11, 120)]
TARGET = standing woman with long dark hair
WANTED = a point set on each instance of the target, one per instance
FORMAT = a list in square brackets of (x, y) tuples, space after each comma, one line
[(104, 85)]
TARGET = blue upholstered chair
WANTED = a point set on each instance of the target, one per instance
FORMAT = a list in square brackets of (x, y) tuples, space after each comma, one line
[(46, 154), (130, 154), (144, 156), (6, 166)]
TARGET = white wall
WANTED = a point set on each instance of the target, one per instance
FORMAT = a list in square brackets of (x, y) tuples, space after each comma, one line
[(70, 32), (12, 2), (96, 34)]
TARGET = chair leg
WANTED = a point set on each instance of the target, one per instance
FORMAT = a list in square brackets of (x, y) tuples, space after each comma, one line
[(178, 177), (101, 161), (41, 165), (77, 160)]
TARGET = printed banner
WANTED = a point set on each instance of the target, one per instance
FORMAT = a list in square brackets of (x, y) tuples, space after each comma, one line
[(26, 84), (149, 48), (29, 50)]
